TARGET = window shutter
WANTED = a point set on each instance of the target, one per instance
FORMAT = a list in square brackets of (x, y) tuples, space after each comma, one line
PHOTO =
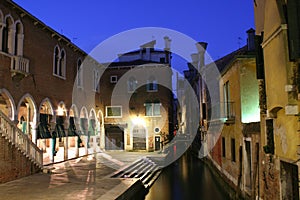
[(293, 14)]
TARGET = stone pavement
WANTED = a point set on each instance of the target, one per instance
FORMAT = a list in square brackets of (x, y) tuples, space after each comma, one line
[(87, 178)]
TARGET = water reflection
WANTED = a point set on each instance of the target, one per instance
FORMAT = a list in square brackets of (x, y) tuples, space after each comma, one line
[(186, 178)]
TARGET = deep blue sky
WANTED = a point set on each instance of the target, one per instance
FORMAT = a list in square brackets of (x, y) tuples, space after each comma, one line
[(220, 23)]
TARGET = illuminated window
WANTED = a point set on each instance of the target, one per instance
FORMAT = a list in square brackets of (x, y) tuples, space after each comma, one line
[(113, 111), (152, 109)]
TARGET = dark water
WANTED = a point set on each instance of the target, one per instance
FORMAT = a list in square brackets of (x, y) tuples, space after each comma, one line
[(187, 178)]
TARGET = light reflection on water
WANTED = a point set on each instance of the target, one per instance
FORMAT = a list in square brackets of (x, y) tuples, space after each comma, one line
[(187, 178)]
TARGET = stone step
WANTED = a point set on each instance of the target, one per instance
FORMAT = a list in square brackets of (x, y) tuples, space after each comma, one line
[(145, 169)]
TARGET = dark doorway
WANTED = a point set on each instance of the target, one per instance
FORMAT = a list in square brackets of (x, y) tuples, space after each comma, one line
[(289, 181), (114, 138), (157, 143)]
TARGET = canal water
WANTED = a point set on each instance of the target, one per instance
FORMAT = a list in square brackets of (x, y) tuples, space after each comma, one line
[(187, 178)]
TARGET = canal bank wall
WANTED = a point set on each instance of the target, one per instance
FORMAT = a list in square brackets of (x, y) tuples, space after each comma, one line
[(233, 191)]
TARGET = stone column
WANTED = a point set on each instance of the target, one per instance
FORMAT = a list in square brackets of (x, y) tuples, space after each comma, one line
[(66, 149)]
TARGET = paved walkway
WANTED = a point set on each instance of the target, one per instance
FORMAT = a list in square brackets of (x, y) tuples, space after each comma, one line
[(86, 178)]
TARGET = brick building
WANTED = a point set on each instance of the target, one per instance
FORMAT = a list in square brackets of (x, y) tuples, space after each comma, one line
[(136, 97), (38, 68)]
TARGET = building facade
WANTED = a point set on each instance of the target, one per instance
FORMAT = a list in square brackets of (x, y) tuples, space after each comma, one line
[(38, 73), (136, 96), (278, 36), (231, 127)]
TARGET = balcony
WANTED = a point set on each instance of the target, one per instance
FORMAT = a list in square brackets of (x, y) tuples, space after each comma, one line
[(227, 112), (19, 67), (223, 112)]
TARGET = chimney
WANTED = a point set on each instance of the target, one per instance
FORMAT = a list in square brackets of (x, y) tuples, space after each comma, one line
[(201, 47), (167, 43), (167, 49), (195, 59), (251, 39)]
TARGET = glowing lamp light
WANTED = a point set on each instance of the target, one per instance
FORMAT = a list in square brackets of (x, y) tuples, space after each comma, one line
[(136, 120), (60, 111)]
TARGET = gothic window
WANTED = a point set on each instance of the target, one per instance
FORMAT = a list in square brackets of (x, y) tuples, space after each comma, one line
[(59, 62), (8, 36), (62, 64), (19, 36), (79, 73), (96, 81)]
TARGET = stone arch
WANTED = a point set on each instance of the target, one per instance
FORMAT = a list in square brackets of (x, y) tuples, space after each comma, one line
[(83, 120), (73, 121), (92, 123), (139, 136), (61, 109), (61, 120), (27, 110), (100, 127), (46, 107), (7, 104), (73, 111), (100, 117)]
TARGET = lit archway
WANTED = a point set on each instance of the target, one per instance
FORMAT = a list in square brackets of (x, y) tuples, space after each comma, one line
[(7, 104), (27, 116)]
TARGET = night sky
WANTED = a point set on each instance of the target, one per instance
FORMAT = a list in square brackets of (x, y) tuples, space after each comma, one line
[(222, 24)]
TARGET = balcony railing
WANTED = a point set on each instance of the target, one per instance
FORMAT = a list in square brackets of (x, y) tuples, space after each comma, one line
[(19, 65), (228, 113), (223, 111)]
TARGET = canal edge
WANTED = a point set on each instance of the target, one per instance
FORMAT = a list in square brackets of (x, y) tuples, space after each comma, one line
[(231, 190)]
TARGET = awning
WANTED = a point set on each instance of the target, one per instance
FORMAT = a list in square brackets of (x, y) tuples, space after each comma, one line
[(72, 128), (43, 131), (83, 126), (59, 130), (59, 127), (91, 130)]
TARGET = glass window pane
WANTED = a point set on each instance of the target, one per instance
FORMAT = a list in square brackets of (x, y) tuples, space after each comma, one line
[(156, 109), (148, 109)]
